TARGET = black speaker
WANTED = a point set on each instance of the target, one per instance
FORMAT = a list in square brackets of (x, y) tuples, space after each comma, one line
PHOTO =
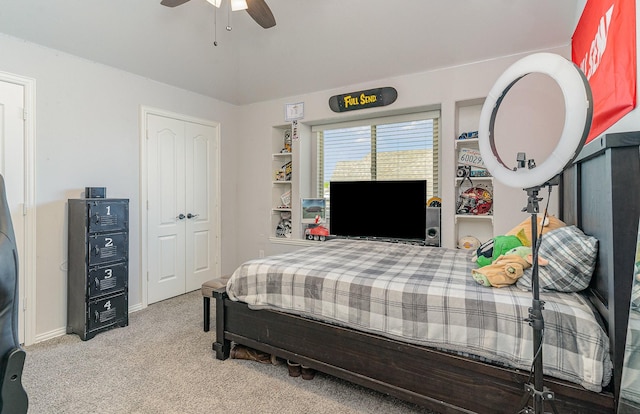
[(433, 226), (95, 192)]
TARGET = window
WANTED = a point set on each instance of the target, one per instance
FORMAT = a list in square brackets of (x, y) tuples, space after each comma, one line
[(395, 148)]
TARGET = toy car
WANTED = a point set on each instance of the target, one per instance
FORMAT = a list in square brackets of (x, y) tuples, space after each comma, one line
[(316, 232)]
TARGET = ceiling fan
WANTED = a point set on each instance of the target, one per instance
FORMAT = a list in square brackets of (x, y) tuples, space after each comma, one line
[(257, 9)]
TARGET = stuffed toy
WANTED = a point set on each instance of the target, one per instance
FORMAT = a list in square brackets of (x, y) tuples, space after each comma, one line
[(507, 268), (527, 254), (490, 250), (550, 223), (504, 271)]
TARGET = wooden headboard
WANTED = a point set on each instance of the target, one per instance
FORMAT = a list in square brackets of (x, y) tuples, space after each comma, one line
[(600, 193)]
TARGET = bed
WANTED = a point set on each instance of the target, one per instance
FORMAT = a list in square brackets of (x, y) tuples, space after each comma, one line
[(406, 361)]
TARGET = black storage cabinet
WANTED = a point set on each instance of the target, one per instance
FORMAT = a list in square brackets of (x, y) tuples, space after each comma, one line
[(98, 265)]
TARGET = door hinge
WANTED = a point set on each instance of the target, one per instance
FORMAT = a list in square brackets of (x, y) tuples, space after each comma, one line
[(147, 276), (24, 209), (24, 303), (25, 115), (147, 133)]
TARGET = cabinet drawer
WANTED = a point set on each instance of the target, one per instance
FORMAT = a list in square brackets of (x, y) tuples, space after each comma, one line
[(107, 311), (106, 279), (108, 215), (104, 248)]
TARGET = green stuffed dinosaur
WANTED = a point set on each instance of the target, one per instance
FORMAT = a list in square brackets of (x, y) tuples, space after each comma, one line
[(490, 250)]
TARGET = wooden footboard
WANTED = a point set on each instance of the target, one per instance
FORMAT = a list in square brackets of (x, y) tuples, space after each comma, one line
[(439, 381)]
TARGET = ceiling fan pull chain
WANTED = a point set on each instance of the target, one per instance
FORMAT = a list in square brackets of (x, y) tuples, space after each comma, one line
[(229, 17), (215, 26)]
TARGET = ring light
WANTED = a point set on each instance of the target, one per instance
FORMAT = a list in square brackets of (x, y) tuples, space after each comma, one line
[(578, 112)]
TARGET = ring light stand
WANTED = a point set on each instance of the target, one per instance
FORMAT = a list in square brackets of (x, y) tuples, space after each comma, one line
[(526, 175)]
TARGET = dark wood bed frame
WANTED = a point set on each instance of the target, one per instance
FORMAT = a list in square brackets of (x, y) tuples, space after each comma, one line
[(600, 193)]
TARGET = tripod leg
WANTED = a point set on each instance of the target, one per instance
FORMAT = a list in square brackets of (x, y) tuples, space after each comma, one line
[(524, 400)]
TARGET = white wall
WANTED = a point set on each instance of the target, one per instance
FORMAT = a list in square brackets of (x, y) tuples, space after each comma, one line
[(435, 88), (87, 134)]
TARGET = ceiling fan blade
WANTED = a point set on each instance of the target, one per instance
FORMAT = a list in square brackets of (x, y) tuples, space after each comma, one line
[(261, 13), (173, 3)]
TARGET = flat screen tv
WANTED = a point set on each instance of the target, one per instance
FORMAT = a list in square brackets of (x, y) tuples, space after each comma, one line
[(378, 209)]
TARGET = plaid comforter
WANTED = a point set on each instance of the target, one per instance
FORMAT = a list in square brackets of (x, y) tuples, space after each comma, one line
[(630, 385), (426, 296)]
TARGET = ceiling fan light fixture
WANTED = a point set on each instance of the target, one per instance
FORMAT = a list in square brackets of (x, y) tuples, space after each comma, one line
[(239, 5), (216, 3)]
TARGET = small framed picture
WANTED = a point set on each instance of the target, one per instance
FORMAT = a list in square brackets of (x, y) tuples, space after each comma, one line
[(312, 208)]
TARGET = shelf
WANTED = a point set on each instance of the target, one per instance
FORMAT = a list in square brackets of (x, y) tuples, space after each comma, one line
[(467, 142), (467, 119), (480, 179), (283, 185), (480, 217)]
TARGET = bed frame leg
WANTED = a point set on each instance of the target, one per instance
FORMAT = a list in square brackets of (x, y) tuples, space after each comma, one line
[(206, 313), (221, 346)]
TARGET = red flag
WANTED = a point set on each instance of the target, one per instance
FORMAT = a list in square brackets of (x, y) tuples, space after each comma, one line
[(604, 47)]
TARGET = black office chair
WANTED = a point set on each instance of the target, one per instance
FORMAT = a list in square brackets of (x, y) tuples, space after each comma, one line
[(13, 398)]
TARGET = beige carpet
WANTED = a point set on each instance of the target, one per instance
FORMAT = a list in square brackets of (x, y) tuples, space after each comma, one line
[(163, 363)]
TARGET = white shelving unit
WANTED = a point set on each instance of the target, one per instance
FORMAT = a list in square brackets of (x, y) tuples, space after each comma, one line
[(479, 226), (282, 183)]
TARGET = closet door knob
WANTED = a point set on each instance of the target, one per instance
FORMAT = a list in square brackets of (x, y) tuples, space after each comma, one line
[(180, 217), (190, 216)]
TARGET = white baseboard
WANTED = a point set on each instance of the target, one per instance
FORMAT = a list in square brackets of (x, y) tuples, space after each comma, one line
[(136, 307), (63, 331)]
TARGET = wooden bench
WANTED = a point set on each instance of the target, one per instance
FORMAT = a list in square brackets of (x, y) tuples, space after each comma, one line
[(207, 292)]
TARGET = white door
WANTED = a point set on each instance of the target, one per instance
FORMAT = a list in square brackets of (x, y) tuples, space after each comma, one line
[(181, 193), (12, 168)]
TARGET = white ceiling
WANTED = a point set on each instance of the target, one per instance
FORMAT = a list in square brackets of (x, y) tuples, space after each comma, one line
[(316, 44)]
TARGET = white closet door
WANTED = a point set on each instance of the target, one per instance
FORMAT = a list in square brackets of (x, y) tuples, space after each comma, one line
[(201, 243), (166, 212), (181, 216)]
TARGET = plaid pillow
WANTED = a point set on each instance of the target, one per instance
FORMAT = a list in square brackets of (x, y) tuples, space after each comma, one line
[(572, 259)]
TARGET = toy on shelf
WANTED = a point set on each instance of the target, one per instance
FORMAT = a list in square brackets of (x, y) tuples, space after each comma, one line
[(283, 173), (316, 231), (470, 164), (468, 243), (469, 135), (287, 142), (285, 198), (475, 201), (283, 229)]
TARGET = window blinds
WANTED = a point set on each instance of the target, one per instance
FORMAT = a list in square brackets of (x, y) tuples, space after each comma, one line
[(397, 148)]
